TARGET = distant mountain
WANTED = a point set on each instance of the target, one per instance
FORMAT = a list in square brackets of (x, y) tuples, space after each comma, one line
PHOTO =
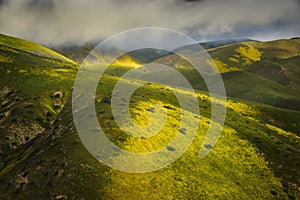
[(79, 52), (75, 52), (218, 43)]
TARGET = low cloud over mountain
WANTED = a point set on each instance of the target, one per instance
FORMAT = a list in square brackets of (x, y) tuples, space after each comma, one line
[(61, 21)]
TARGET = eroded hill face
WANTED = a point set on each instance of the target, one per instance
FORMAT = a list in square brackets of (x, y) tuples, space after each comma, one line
[(35, 83), (257, 155)]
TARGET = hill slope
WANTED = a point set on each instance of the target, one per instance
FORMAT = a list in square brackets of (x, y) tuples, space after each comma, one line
[(256, 156), (34, 85), (273, 66), (249, 86)]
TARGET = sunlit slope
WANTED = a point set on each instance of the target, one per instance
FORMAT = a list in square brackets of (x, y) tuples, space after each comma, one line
[(255, 157), (265, 72), (79, 53), (239, 55), (278, 48), (35, 83), (227, 58), (273, 78), (32, 48), (247, 122), (275, 60)]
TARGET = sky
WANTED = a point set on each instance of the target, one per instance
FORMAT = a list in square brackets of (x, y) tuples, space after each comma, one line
[(55, 22)]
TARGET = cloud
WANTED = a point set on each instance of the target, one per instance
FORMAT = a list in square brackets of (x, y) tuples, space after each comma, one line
[(3, 2), (61, 21)]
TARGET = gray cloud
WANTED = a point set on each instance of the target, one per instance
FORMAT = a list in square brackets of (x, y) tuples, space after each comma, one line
[(3, 2), (60, 21)]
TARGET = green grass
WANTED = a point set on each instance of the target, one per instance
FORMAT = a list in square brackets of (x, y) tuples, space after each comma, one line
[(32, 48), (249, 86), (255, 157), (278, 48), (34, 75), (33, 78), (245, 155)]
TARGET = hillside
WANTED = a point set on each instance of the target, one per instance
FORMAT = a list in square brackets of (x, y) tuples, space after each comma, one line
[(249, 86), (273, 66), (257, 155), (79, 52), (28, 47), (34, 85)]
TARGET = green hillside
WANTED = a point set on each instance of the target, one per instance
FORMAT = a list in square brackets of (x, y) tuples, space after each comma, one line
[(278, 49), (256, 157), (31, 48), (35, 83), (265, 72), (244, 54), (249, 86)]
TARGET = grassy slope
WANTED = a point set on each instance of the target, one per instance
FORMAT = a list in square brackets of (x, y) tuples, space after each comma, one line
[(246, 53), (273, 68), (257, 153), (249, 86), (278, 48), (32, 48), (241, 166), (278, 63), (293, 71), (34, 86), (246, 124)]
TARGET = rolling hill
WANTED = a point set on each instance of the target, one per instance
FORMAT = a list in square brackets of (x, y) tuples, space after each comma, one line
[(257, 155), (272, 68), (34, 86)]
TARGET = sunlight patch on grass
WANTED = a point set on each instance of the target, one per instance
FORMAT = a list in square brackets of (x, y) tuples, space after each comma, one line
[(283, 132), (249, 54), (234, 59)]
